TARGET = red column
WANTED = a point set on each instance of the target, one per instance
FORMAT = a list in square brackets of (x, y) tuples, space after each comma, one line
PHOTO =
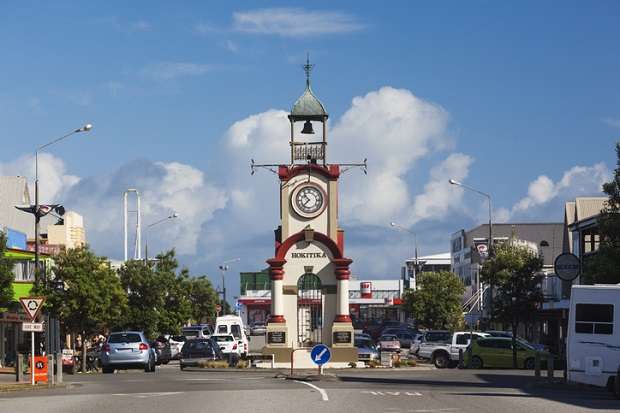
[(276, 272)]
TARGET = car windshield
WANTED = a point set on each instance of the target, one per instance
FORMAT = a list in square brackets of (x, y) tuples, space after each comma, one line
[(197, 345), (437, 336), (178, 338), (191, 333), (124, 338), (389, 338), (221, 339), (364, 343)]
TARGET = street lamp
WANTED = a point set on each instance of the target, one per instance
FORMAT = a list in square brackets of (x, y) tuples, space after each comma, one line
[(490, 241), (37, 217), (415, 244), (146, 234), (223, 268)]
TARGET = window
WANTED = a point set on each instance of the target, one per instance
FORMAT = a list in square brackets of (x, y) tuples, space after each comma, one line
[(222, 329), (124, 338), (463, 338), (235, 330), (591, 241), (486, 343), (594, 318), (503, 344)]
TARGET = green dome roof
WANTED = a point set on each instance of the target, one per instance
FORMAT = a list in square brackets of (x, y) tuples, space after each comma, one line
[(308, 105)]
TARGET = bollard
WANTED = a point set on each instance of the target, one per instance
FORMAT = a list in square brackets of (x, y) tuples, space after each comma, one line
[(58, 367), (550, 368), (537, 365), (19, 368), (50, 370), (461, 363)]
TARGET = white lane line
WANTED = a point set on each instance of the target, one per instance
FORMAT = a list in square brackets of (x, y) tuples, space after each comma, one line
[(323, 392), (147, 395)]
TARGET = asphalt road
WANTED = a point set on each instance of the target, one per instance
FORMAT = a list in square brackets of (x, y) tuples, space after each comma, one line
[(411, 391)]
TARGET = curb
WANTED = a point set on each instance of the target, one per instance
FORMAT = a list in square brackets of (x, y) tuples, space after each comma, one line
[(5, 388)]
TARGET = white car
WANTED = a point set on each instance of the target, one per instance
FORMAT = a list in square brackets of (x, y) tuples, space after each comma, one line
[(230, 346), (176, 344)]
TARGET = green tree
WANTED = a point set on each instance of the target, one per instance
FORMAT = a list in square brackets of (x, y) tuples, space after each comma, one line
[(604, 266), (437, 301), (203, 298), (158, 298), (6, 274), (515, 271), (93, 299)]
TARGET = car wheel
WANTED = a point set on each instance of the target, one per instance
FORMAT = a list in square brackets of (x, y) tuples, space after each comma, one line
[(441, 361), (617, 386), (107, 370), (166, 361), (182, 367), (529, 364), (475, 363)]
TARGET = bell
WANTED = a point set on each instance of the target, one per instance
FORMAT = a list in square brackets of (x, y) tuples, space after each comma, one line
[(308, 128)]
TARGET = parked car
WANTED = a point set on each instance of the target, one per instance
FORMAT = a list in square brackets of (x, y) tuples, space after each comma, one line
[(162, 349), (366, 349), (405, 337), (444, 354), (258, 329), (68, 361), (233, 324), (229, 346), (199, 350), (198, 331), (128, 350), (176, 344), (389, 342), (499, 333), (497, 352)]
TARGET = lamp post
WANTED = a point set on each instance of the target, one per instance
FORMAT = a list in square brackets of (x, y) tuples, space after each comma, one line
[(415, 245), (146, 234), (37, 218), (223, 268), (489, 243)]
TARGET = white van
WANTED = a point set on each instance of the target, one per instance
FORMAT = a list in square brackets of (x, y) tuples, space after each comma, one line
[(197, 331), (593, 352), (233, 324)]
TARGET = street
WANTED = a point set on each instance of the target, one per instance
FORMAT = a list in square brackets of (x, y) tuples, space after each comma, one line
[(363, 390)]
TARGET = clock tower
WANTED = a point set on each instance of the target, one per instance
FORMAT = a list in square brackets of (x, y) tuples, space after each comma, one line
[(309, 271)]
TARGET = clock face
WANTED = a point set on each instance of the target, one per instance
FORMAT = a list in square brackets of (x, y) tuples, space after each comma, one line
[(308, 200)]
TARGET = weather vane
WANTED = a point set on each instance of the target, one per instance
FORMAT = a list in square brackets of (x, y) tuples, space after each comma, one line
[(308, 68)]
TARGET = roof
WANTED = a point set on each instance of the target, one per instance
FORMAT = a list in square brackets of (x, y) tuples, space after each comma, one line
[(443, 258), (308, 105), (589, 207), (569, 212)]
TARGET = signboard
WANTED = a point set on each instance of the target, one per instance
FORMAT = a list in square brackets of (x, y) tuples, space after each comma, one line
[(276, 337), (567, 266), (342, 337), (32, 305), (320, 354), (33, 327), (366, 289), (40, 369)]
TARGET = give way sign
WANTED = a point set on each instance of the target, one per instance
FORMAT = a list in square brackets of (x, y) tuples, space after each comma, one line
[(32, 305)]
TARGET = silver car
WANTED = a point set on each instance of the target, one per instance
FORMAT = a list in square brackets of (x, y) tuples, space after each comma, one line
[(127, 350)]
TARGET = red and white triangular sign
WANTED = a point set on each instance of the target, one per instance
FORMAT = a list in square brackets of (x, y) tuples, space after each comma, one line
[(32, 305)]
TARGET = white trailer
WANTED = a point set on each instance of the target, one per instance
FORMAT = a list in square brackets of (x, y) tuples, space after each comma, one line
[(593, 352)]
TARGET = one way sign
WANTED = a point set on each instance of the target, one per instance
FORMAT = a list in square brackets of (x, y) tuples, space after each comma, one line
[(32, 305)]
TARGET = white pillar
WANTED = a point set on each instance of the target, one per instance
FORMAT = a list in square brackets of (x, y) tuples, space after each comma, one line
[(276, 271), (343, 297)]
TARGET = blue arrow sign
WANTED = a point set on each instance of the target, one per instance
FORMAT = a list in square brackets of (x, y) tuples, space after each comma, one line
[(320, 354)]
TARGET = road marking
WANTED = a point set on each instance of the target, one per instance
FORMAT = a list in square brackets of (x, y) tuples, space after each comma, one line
[(147, 395), (323, 392), (391, 393)]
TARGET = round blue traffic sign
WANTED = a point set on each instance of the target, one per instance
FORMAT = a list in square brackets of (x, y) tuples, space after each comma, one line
[(320, 354)]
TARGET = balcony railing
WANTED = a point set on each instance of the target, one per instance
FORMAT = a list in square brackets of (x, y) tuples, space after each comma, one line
[(303, 151)]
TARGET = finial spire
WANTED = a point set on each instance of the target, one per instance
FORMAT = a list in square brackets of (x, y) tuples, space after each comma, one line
[(308, 68)]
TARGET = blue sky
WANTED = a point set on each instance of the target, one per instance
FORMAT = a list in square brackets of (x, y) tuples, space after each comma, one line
[(513, 91)]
